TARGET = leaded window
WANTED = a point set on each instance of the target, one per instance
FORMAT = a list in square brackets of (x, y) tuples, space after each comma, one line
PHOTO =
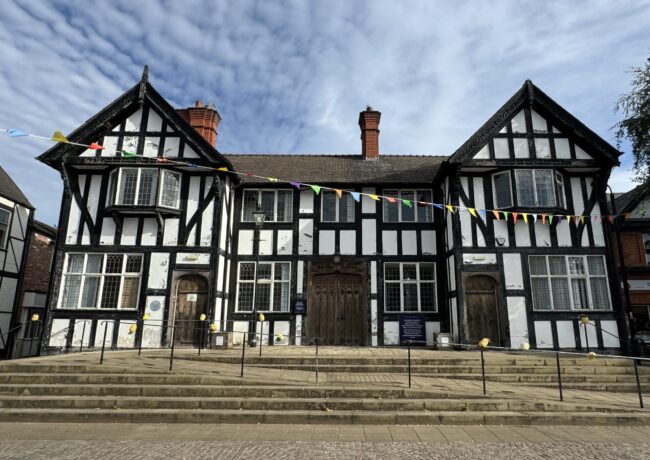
[(397, 210), (145, 187), (539, 188), (409, 287), (272, 290), (277, 205), (335, 209)]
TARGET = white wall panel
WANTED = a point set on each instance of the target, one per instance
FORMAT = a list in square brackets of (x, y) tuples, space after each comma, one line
[(300, 276), (348, 242), (129, 231), (193, 258), (193, 200), (158, 270), (373, 277), (59, 332), (474, 259), (152, 328), (391, 333), (305, 236), (518, 321), (281, 328), (562, 148), (430, 328), (285, 242), (368, 205), (501, 232), (581, 154), (369, 237), (170, 232), (374, 325), (326, 242), (543, 334), (483, 154), (206, 223), (451, 272), (542, 234), (563, 232), (610, 334), (149, 232), (245, 244), (93, 196), (266, 242), (565, 335), (73, 222), (133, 122), (409, 242), (513, 272), (125, 339), (428, 242), (389, 242), (453, 305), (81, 333), (592, 336), (306, 202), (522, 233), (576, 193), (99, 335)]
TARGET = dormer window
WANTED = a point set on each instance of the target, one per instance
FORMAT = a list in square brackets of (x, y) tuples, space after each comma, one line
[(145, 187), (535, 188)]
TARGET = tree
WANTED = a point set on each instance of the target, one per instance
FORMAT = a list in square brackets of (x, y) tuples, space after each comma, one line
[(635, 126)]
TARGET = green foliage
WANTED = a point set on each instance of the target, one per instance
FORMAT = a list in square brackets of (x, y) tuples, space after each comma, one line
[(635, 126)]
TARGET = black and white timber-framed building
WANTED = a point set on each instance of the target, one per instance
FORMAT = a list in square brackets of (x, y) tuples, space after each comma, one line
[(142, 235)]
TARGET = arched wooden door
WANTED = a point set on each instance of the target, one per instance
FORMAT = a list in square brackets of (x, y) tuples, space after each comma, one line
[(336, 307), (191, 302), (481, 309)]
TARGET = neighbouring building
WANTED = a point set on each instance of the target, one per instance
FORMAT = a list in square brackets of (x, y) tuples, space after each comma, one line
[(154, 224), (16, 214)]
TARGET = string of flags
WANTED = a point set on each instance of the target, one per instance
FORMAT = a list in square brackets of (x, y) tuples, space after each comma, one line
[(514, 216)]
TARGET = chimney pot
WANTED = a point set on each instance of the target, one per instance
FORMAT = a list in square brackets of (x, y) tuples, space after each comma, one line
[(203, 119), (369, 124), (198, 104)]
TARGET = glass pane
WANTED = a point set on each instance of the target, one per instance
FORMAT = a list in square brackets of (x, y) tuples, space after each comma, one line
[(525, 191), (285, 205), (171, 189), (408, 213), (425, 212), (409, 272), (576, 266), (544, 186), (71, 290), (111, 291), (94, 263), (599, 293), (130, 292), (250, 204), (281, 271), (264, 272), (541, 296), (537, 265), (561, 296), (281, 296), (427, 297), (263, 296), (148, 187), (91, 291), (127, 186), (410, 296), (114, 263), (392, 297), (346, 208), (4, 216), (559, 190), (391, 271), (502, 190), (579, 290), (245, 297), (391, 209), (133, 264), (427, 272), (3, 233), (596, 265), (329, 206), (268, 205), (557, 265), (247, 271), (75, 263)]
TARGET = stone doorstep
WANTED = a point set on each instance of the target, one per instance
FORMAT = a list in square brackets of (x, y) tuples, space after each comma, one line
[(317, 417)]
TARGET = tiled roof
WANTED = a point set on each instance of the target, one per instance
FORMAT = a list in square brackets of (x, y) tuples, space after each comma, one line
[(398, 169), (10, 190), (625, 200)]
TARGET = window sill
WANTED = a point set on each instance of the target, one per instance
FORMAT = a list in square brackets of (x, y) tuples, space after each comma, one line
[(142, 210)]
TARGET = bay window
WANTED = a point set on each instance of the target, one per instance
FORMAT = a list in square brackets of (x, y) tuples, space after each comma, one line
[(277, 205), (409, 287), (106, 281), (569, 283), (398, 211), (271, 292), (145, 187)]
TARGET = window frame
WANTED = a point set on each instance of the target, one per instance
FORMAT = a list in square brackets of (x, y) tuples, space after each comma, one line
[(275, 203), (398, 196), (587, 276), (417, 282), (101, 275), (115, 184), (270, 282), (554, 187), (494, 189), (5, 238), (337, 207)]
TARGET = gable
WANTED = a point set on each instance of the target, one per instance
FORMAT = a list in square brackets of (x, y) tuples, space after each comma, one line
[(533, 126), (140, 122)]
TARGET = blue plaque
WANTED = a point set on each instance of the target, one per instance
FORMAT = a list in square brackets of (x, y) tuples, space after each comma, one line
[(412, 328), (299, 306)]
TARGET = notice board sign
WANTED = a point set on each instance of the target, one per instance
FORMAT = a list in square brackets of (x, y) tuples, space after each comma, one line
[(300, 306), (413, 328)]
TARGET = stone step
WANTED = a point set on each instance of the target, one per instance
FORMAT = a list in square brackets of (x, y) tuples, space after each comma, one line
[(322, 417), (291, 404)]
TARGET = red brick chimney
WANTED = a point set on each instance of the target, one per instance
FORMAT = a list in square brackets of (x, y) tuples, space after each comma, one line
[(203, 119), (369, 124)]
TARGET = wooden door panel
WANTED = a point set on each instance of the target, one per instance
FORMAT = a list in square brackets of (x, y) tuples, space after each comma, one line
[(481, 309), (188, 327)]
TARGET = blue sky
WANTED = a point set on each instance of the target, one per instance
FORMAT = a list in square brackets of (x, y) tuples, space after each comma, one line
[(292, 76)]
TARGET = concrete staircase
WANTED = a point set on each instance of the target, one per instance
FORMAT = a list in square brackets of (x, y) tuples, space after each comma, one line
[(139, 389)]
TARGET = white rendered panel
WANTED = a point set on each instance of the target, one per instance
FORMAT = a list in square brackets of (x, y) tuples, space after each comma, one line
[(149, 232), (99, 334), (129, 231), (562, 148), (591, 336), (454, 318), (245, 246), (409, 242), (170, 232), (73, 221), (238, 328), (368, 237), (597, 227), (368, 205), (563, 232), (428, 242), (171, 147), (133, 122), (517, 320), (193, 200), (501, 149), (266, 242), (542, 148), (151, 328), (206, 223), (430, 328), (326, 242), (8, 203), (285, 242), (125, 339), (306, 202), (389, 242), (154, 122), (479, 203), (220, 271), (107, 236), (305, 236), (374, 325), (473, 259), (581, 154), (110, 146), (81, 333), (543, 334), (158, 270), (281, 328), (539, 122), (519, 122), (521, 148), (189, 152), (576, 192), (542, 234), (7, 295), (373, 277), (483, 154), (59, 332), (391, 333), (348, 242), (449, 231), (93, 196), (565, 334), (451, 271), (300, 276), (151, 145), (218, 305), (513, 272), (610, 334), (298, 340), (522, 233), (501, 233)]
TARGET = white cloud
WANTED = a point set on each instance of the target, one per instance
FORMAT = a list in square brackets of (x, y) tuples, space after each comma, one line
[(292, 76)]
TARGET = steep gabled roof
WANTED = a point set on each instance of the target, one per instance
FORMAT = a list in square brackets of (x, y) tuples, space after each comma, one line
[(127, 103), (388, 169), (9, 190), (531, 95), (627, 201)]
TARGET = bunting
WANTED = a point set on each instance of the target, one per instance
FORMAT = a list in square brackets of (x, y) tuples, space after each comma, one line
[(315, 188), (356, 196)]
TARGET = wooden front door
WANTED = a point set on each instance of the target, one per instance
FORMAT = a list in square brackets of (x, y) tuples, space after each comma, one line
[(191, 302), (337, 305), (481, 310)]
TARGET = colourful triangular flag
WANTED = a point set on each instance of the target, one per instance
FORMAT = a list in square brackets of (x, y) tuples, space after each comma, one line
[(223, 168), (315, 188), (594, 218), (514, 217), (450, 208), (496, 214), (95, 146), (543, 218), (16, 133), (439, 206), (374, 197), (407, 203), (390, 199), (611, 219), (505, 214), (272, 179), (339, 192), (472, 211), (59, 137), (525, 216), (582, 219), (575, 219), (296, 184), (355, 195), (550, 219), (482, 213), (126, 154), (534, 217)]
